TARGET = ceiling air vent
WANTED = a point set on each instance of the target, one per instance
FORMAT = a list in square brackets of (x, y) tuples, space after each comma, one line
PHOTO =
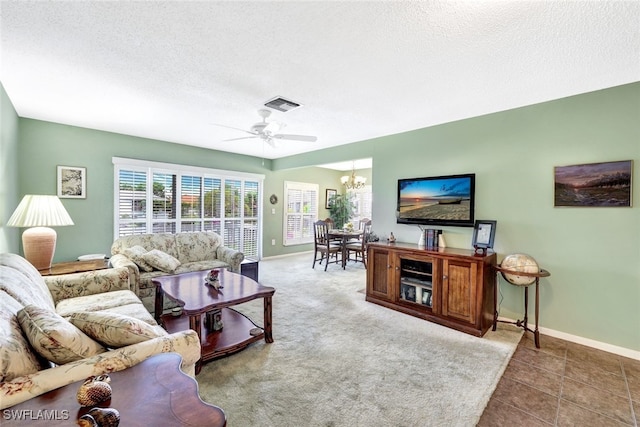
[(282, 104)]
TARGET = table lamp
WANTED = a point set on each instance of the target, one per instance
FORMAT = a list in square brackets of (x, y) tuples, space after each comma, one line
[(39, 213)]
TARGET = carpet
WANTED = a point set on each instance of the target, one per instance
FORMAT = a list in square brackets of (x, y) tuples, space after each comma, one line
[(337, 360)]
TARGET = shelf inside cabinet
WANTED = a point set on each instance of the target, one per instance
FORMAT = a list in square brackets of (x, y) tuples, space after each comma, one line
[(416, 282), (412, 292)]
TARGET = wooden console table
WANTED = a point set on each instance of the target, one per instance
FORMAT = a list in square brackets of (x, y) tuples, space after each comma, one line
[(154, 392), (449, 286)]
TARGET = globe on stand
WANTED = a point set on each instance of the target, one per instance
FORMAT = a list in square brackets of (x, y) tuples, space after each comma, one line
[(519, 263)]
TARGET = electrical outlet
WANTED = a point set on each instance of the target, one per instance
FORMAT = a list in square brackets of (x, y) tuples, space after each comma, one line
[(273, 242)]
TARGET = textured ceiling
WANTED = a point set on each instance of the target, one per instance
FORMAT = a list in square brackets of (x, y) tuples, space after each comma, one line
[(169, 70)]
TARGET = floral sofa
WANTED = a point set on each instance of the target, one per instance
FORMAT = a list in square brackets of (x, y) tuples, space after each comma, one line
[(152, 255), (57, 330)]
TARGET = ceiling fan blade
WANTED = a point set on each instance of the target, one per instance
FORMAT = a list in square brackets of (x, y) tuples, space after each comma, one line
[(231, 127), (307, 138), (244, 137)]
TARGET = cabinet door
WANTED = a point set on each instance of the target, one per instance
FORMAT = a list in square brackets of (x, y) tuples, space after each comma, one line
[(379, 274), (459, 286)]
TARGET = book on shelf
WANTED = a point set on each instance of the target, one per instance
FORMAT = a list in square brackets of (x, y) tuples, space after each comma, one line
[(431, 237)]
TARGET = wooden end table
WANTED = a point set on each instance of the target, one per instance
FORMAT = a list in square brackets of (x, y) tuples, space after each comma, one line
[(75, 267), (238, 331), (154, 392)]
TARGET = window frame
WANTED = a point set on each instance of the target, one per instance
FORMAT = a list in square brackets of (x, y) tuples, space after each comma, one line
[(302, 239), (149, 168)]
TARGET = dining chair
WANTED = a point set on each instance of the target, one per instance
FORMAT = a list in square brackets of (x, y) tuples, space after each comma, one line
[(332, 225), (361, 226), (324, 246), (359, 247)]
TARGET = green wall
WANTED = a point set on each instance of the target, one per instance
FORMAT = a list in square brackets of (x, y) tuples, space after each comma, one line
[(9, 236), (593, 254), (44, 145)]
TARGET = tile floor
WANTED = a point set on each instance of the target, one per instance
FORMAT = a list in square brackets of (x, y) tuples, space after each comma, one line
[(565, 384)]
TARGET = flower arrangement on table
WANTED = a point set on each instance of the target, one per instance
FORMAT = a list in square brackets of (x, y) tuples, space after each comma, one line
[(348, 226)]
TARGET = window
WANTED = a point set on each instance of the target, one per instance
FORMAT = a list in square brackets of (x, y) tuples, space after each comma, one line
[(301, 202), (166, 198), (362, 200)]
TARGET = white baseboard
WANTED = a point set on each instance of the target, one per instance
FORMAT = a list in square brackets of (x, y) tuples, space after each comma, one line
[(621, 351), (288, 255)]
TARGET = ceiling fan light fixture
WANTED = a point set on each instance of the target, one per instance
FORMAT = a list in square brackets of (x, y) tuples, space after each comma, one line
[(268, 131)]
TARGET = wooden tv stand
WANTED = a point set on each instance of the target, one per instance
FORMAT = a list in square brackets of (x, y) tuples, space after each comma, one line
[(452, 287)]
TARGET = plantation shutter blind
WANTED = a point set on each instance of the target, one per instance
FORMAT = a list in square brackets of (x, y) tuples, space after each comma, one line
[(152, 197), (132, 203), (250, 219), (301, 201)]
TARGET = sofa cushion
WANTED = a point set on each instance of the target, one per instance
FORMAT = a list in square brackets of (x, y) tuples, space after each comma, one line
[(114, 330), (97, 302), (136, 254), (161, 261), (21, 265), (162, 241), (17, 357), (197, 246), (25, 287), (55, 338), (201, 266)]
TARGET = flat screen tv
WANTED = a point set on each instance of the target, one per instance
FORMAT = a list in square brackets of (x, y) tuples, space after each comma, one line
[(439, 200)]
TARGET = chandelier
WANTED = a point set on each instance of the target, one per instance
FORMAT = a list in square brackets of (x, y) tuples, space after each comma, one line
[(353, 182)]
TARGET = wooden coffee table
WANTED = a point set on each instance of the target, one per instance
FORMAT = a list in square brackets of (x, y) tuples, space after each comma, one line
[(238, 332), (154, 392)]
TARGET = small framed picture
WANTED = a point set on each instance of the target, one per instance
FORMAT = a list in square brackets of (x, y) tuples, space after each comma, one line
[(426, 297), (408, 292), (329, 194), (72, 182), (484, 233)]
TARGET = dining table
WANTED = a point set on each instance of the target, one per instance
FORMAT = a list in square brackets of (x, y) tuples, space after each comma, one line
[(344, 235)]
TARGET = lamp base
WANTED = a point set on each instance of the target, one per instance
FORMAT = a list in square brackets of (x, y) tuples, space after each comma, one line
[(39, 245)]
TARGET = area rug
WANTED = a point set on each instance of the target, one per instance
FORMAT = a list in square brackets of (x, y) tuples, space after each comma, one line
[(338, 360)]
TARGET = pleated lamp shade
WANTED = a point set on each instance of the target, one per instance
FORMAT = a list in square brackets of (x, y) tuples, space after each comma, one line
[(39, 212)]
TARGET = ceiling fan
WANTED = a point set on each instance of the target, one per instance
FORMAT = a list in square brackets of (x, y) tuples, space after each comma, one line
[(268, 131)]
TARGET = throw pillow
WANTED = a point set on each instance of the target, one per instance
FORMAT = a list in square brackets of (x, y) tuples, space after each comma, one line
[(135, 254), (113, 329), (161, 260), (17, 356), (54, 338)]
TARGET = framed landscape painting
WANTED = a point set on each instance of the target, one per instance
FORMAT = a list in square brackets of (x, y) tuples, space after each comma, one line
[(594, 184)]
